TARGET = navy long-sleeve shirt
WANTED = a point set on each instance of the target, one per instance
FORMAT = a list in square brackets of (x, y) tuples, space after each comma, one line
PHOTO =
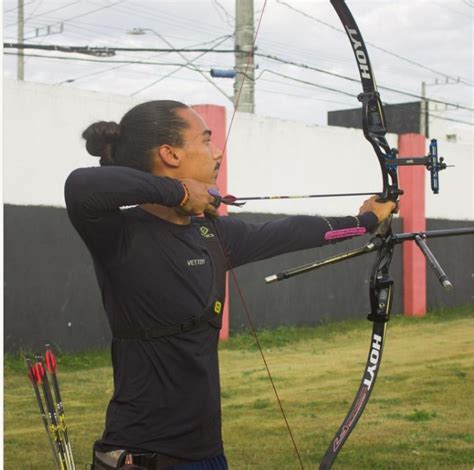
[(154, 273)]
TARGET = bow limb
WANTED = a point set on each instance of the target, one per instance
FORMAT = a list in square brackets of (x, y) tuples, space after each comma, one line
[(381, 285)]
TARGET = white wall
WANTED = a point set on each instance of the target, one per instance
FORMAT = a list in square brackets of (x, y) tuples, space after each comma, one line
[(42, 144), (42, 140), (275, 157)]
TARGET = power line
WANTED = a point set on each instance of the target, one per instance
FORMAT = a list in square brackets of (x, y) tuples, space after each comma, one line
[(32, 15), (335, 90), (82, 14), (79, 49), (188, 63), (356, 80), (228, 18), (34, 11), (195, 69), (109, 69), (437, 116), (16, 8), (184, 24), (398, 56), (81, 59), (106, 50), (305, 82)]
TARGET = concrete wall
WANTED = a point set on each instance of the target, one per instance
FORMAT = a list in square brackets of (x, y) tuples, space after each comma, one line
[(42, 137), (50, 290), (267, 156)]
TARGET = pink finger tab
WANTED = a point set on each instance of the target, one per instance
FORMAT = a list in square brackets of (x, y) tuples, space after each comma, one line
[(345, 233)]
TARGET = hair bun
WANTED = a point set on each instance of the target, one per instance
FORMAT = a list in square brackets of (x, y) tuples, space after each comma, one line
[(101, 138)]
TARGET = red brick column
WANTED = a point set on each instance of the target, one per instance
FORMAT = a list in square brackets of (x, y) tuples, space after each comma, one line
[(215, 118), (412, 212)]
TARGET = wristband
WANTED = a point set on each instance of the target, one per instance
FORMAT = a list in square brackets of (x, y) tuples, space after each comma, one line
[(185, 199)]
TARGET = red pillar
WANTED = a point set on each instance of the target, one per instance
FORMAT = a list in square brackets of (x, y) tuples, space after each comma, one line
[(215, 118), (412, 212)]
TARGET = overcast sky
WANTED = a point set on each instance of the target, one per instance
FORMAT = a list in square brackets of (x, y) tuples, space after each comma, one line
[(424, 34)]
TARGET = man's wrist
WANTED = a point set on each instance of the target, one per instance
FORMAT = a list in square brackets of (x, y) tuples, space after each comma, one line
[(368, 220)]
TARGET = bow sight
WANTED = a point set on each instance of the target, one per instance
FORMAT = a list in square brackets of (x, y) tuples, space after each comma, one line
[(432, 163)]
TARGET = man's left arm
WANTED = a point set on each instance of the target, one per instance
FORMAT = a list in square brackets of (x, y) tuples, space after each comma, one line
[(247, 242)]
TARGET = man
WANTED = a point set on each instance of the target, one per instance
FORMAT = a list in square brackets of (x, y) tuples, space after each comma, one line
[(161, 271)]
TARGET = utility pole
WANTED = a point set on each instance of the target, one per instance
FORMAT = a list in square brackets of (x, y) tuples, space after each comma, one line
[(424, 120), (425, 103), (244, 83), (20, 71)]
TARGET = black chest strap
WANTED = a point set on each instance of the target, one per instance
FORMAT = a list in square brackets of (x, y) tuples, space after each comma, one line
[(212, 314), (149, 334)]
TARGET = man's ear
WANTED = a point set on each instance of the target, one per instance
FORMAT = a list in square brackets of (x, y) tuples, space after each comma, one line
[(167, 155)]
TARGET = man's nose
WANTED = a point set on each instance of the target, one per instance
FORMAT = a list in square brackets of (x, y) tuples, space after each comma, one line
[(217, 153)]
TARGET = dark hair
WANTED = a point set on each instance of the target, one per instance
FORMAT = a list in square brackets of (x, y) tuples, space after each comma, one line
[(143, 128)]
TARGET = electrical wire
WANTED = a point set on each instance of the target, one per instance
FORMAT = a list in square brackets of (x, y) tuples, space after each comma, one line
[(356, 80), (220, 9), (258, 54), (109, 69), (32, 16), (188, 63), (398, 56), (81, 59), (16, 8), (400, 106), (82, 14)]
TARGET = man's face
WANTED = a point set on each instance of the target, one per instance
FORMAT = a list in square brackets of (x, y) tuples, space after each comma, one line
[(200, 157)]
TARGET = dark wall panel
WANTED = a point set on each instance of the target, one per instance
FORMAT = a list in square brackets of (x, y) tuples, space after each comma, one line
[(401, 118), (456, 256), (50, 290)]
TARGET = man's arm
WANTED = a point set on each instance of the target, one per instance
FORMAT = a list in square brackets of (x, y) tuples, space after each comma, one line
[(248, 242), (94, 197)]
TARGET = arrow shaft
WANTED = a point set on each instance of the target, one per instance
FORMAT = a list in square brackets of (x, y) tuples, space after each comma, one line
[(305, 196)]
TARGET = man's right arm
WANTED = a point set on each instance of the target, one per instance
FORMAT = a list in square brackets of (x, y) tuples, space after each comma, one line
[(94, 197)]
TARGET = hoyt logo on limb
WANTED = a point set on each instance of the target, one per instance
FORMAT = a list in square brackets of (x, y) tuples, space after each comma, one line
[(374, 357), (360, 54)]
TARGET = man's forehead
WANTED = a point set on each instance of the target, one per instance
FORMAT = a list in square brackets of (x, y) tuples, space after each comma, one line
[(196, 125)]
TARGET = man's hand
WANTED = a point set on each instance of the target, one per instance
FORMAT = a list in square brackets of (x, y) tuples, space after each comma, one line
[(382, 210), (200, 201)]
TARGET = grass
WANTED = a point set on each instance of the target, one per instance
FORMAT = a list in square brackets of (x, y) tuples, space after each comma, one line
[(420, 415)]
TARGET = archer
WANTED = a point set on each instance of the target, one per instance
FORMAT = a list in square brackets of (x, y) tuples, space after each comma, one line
[(161, 272)]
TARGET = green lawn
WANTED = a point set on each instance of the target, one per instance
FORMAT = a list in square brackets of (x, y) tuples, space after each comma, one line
[(420, 415)]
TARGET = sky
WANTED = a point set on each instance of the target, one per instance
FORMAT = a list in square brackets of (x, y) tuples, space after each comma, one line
[(411, 41)]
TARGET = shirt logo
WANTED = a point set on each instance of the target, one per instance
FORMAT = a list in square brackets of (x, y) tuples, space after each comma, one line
[(196, 262), (205, 232), (217, 307)]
